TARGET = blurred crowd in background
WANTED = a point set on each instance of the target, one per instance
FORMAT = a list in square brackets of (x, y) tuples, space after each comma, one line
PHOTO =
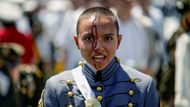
[(36, 42)]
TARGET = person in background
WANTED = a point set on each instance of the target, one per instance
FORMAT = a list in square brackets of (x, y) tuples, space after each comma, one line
[(174, 84), (66, 51), (9, 32), (26, 77), (138, 33), (10, 55), (146, 11), (182, 60), (100, 80)]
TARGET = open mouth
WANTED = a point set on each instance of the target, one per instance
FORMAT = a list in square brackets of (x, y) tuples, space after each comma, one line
[(99, 58)]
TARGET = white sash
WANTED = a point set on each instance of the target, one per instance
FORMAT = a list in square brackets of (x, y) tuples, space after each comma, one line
[(85, 88)]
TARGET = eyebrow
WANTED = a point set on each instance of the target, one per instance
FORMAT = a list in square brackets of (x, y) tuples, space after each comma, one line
[(109, 34), (90, 34), (86, 33)]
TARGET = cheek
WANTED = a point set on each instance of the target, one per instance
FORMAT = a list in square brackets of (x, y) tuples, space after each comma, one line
[(112, 49), (85, 48), (115, 45)]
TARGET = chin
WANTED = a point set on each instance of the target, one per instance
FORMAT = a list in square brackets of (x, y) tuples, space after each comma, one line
[(100, 68)]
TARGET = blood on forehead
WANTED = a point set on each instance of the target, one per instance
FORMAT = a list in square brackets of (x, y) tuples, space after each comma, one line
[(94, 32)]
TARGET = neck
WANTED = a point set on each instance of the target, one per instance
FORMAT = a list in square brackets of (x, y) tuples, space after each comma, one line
[(102, 75), (90, 66), (93, 68)]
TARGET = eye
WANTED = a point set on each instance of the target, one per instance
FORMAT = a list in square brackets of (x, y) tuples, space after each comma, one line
[(108, 38), (88, 38)]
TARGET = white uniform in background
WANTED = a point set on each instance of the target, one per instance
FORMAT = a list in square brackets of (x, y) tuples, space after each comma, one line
[(133, 49), (182, 84)]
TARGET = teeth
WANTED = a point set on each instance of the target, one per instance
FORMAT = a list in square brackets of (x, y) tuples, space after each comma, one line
[(98, 58)]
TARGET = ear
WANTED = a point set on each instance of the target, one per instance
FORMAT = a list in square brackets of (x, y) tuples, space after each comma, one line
[(119, 38), (76, 41)]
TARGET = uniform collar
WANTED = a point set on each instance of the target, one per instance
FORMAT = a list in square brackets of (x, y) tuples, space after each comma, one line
[(91, 73)]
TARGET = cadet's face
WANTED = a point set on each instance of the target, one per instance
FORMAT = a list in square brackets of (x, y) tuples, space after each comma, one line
[(98, 41)]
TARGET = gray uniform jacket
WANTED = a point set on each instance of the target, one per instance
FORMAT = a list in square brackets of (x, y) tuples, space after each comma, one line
[(116, 86)]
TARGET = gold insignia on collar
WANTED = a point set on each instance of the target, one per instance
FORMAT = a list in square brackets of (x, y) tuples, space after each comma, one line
[(80, 63), (69, 82)]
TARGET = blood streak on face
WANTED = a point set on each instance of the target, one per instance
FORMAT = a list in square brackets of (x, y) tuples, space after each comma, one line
[(98, 40), (95, 35)]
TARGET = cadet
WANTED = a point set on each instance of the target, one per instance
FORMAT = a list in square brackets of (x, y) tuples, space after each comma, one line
[(10, 54), (100, 80), (27, 78)]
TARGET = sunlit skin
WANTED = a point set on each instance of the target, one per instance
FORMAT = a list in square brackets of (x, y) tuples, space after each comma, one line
[(97, 40)]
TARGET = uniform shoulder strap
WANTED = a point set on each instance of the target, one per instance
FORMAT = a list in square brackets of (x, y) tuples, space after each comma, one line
[(41, 101)]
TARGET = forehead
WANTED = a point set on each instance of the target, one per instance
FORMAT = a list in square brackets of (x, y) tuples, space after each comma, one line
[(98, 20)]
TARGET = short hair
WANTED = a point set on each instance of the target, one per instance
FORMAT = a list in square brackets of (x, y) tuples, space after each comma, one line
[(98, 11)]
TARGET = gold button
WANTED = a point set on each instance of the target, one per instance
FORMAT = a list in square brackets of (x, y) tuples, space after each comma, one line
[(69, 82), (80, 63), (118, 59), (99, 88), (69, 105), (131, 92), (132, 80), (130, 104), (99, 98), (70, 94)]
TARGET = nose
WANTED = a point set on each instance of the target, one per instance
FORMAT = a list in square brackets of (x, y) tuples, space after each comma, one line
[(99, 46)]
